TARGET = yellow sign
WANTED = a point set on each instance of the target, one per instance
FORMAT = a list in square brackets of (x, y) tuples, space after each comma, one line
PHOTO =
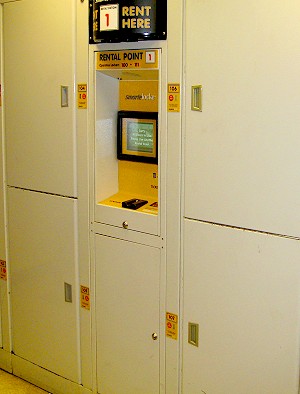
[(3, 271), (173, 97), (138, 96), (82, 96), (85, 297), (171, 326), (133, 59)]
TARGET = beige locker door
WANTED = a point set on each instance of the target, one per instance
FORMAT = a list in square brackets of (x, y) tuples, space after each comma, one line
[(243, 289), (127, 308), (2, 227), (2, 237), (3, 295), (39, 50), (3, 290), (242, 150), (42, 259)]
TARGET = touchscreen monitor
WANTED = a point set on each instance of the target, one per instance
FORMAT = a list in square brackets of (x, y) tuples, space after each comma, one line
[(137, 136)]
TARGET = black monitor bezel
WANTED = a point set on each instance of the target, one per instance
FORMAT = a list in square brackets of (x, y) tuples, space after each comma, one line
[(136, 115)]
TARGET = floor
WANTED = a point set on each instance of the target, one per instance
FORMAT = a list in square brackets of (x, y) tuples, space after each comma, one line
[(10, 384)]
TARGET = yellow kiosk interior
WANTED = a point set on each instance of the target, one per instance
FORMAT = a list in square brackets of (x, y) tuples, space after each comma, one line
[(127, 134)]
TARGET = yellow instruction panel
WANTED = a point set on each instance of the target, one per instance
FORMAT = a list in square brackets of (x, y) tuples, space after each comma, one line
[(131, 59)]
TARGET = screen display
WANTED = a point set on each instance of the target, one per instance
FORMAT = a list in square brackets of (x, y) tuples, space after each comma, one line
[(137, 136), (140, 136)]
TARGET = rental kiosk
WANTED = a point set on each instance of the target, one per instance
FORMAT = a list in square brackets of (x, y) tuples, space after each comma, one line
[(128, 199)]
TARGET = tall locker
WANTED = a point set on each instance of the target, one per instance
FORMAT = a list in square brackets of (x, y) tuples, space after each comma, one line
[(241, 151), (2, 229), (242, 288), (241, 188), (42, 253), (39, 72), (2, 253), (4, 331), (40, 140)]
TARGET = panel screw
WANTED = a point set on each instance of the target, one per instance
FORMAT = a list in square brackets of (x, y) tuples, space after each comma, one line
[(154, 336), (125, 224)]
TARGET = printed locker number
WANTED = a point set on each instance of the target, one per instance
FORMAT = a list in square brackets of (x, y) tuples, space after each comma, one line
[(109, 17), (3, 271), (171, 325), (174, 88), (173, 97), (82, 96), (85, 297)]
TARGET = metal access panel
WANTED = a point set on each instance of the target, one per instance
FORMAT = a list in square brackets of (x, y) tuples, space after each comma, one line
[(242, 289), (242, 148), (127, 317), (39, 42)]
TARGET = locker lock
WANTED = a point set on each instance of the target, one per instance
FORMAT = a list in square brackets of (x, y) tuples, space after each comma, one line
[(125, 224), (154, 336)]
